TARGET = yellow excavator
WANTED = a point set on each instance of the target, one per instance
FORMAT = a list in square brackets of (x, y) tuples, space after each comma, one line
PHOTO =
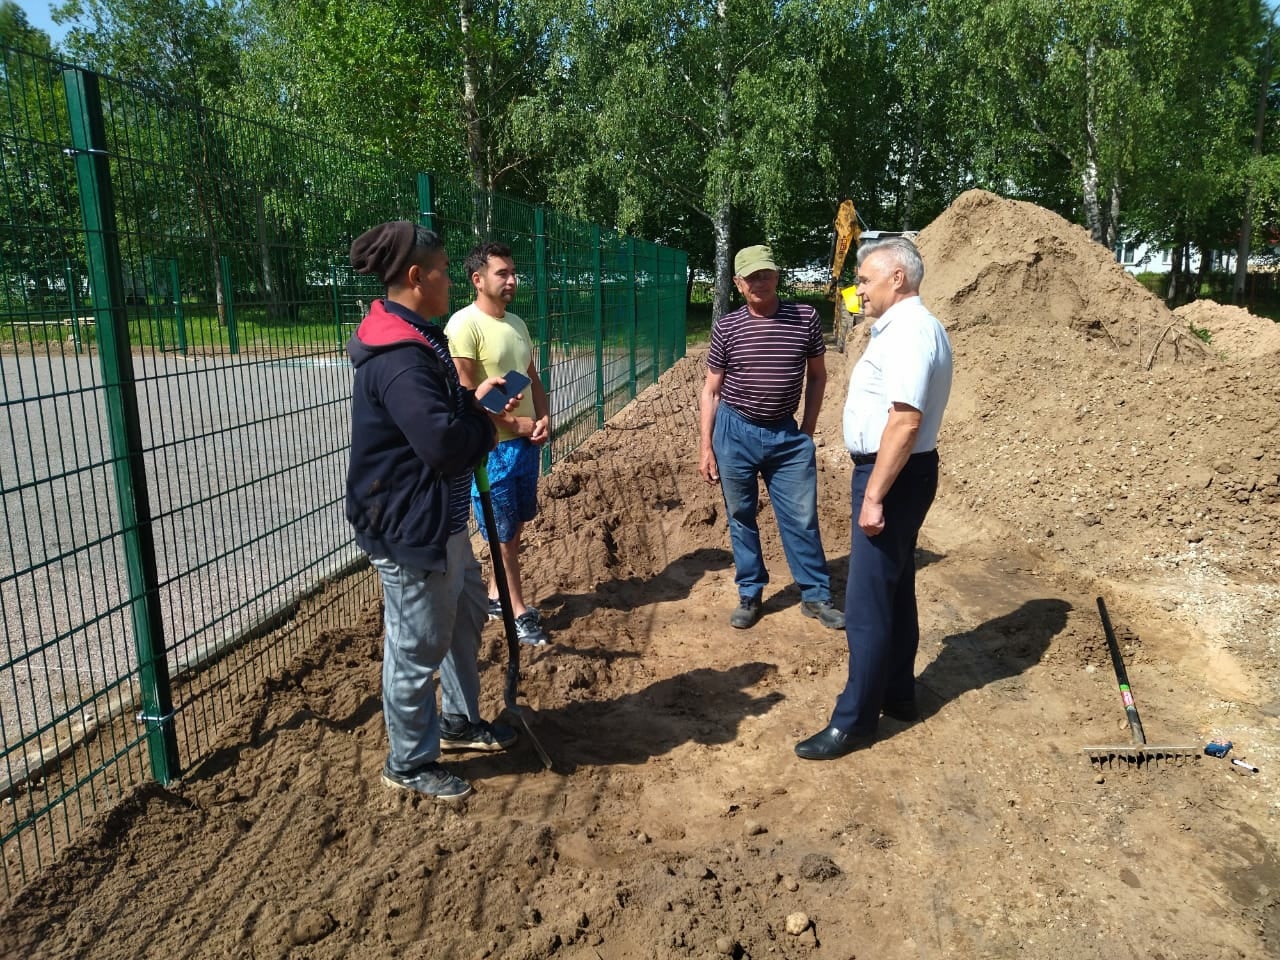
[(850, 233), (848, 304)]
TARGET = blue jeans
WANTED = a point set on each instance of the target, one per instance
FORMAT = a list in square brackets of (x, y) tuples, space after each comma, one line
[(784, 456), (881, 621), (433, 621)]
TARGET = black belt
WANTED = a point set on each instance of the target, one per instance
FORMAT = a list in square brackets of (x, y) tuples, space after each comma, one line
[(862, 459)]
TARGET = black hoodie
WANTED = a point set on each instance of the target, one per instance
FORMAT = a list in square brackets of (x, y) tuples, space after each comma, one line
[(413, 429)]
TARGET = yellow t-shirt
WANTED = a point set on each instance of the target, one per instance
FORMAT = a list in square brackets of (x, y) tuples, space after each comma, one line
[(497, 345)]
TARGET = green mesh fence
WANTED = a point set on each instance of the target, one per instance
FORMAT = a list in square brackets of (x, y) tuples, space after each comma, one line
[(174, 300)]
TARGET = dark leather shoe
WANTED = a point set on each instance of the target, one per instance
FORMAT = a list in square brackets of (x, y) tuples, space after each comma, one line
[(831, 744), (904, 710)]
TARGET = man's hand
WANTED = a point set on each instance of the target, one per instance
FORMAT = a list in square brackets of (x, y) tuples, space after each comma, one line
[(871, 517), (541, 431), (708, 467), (486, 385)]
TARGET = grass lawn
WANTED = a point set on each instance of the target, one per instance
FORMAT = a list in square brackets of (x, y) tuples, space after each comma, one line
[(698, 324), (200, 330)]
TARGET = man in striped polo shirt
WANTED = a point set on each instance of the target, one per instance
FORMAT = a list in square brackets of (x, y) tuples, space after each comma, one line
[(761, 355)]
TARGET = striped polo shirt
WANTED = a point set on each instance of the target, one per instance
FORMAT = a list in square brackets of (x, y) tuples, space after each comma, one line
[(763, 359)]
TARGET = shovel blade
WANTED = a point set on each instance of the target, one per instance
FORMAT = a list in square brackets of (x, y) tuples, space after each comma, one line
[(522, 716)]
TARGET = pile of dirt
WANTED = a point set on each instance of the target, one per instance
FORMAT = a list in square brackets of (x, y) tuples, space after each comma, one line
[(678, 823), (1233, 331), (1067, 424), (1007, 262)]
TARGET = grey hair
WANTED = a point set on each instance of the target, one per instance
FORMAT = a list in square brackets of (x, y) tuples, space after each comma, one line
[(902, 252)]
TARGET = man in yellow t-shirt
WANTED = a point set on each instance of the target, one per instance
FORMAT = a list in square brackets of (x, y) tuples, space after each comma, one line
[(488, 340)]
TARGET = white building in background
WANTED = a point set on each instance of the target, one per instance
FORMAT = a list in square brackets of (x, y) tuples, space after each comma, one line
[(1138, 257)]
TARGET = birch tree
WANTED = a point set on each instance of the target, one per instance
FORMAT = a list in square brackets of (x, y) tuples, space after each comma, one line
[(683, 109)]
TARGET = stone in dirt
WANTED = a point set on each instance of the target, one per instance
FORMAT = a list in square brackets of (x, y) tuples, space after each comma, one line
[(797, 923), (818, 866)]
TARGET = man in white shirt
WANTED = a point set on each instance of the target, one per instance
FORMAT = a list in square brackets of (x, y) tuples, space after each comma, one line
[(897, 394)]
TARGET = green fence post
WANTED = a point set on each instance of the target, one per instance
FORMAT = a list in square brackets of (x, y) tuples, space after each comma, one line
[(541, 281), (631, 280), (229, 301), (426, 201), (179, 320), (337, 308), (655, 300), (659, 287), (597, 312), (75, 307), (682, 271), (157, 318), (667, 321), (565, 311), (97, 208)]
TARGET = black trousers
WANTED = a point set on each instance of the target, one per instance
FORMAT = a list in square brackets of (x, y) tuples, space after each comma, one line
[(881, 622)]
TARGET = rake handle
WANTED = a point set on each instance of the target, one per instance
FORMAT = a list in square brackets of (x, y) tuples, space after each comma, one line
[(1122, 677)]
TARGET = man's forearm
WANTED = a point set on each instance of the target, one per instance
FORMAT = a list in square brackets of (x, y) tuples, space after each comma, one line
[(707, 417), (895, 449), (541, 404), (815, 388)]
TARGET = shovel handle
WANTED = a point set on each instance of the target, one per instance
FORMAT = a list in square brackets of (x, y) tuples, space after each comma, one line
[(511, 689), (1122, 677), (504, 591)]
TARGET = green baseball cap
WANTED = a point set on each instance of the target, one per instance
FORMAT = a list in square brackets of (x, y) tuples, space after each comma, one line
[(751, 259)]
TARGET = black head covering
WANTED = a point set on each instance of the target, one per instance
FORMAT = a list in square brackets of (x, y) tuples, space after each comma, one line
[(386, 251)]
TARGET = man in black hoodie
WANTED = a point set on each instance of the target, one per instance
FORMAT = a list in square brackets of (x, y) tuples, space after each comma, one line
[(416, 436)]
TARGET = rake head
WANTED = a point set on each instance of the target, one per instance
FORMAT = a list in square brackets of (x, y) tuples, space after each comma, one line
[(1143, 755)]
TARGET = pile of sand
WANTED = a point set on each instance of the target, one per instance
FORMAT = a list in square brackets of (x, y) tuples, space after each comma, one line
[(1233, 331), (1069, 427), (992, 260)]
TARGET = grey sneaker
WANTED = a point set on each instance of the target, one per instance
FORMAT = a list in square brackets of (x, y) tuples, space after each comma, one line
[(459, 733), (747, 613), (495, 610), (824, 613), (529, 630), (431, 780)]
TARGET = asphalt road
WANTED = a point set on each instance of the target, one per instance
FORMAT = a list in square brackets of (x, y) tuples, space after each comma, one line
[(245, 470)]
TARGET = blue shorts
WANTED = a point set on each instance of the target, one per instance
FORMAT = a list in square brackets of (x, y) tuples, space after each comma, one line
[(513, 484)]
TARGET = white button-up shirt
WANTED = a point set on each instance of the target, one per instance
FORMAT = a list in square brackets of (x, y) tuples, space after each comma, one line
[(908, 360)]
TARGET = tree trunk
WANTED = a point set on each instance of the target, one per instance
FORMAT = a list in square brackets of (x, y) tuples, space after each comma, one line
[(1113, 214), (1089, 176), (270, 289), (1175, 272), (909, 202), (1202, 275), (724, 264), (207, 199), (477, 148), (722, 208), (1246, 218)]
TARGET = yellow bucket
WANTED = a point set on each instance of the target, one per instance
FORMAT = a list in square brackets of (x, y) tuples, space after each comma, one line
[(852, 302)]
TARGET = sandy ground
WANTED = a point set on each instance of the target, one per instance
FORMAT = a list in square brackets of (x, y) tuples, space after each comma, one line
[(1093, 447)]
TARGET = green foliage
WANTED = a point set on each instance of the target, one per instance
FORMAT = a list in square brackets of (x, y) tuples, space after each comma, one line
[(1157, 283), (186, 48), (1200, 332), (714, 123), (38, 196)]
